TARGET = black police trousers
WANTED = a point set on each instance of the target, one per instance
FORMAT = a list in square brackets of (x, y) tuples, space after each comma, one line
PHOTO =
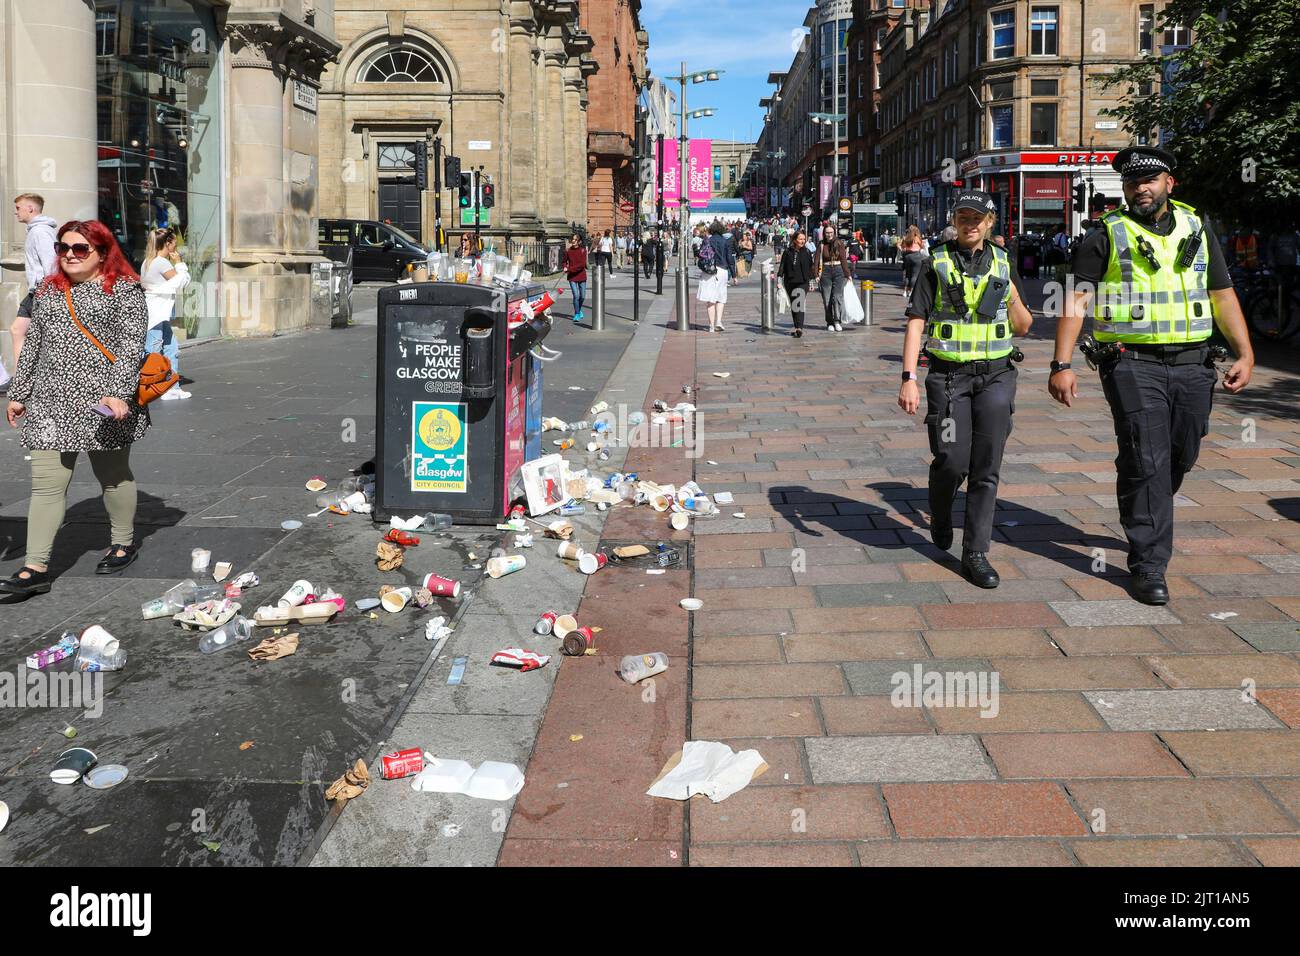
[(1161, 413), (968, 416)]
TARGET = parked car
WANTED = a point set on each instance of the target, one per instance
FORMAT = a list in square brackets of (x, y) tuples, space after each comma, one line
[(380, 250)]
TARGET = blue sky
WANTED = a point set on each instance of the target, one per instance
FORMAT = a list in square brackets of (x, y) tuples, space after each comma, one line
[(747, 38)]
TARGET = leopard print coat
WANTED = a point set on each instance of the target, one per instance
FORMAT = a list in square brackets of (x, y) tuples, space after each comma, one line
[(61, 376)]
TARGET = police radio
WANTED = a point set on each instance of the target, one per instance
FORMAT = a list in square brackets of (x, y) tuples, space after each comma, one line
[(991, 300), (1191, 246)]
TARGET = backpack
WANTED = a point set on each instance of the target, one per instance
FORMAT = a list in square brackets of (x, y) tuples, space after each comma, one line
[(708, 258)]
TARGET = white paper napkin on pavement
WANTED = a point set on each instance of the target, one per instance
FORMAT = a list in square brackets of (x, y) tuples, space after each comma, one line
[(710, 768)]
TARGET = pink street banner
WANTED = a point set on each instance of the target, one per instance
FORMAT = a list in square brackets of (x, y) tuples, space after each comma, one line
[(700, 178), (825, 192), (672, 174)]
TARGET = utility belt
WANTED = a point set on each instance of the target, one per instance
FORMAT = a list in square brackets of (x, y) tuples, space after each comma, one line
[(1199, 353), (976, 367)]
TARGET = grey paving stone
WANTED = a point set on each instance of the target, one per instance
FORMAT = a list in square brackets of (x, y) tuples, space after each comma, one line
[(732, 526), (1279, 636), (1249, 585), (1279, 563), (1104, 613), (868, 595), (896, 759), (1263, 484), (877, 677), (1178, 710)]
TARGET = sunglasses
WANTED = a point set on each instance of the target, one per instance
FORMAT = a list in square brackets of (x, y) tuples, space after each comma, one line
[(79, 250)]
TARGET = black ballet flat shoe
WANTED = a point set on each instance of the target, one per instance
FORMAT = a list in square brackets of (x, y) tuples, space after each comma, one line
[(113, 562), (26, 582)]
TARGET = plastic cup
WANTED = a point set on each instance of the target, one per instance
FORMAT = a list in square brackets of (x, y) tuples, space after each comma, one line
[(199, 559), (506, 564), (95, 639), (396, 599)]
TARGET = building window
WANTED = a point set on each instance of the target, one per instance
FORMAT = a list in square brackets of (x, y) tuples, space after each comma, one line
[(397, 157), (717, 176), (1004, 34), (1146, 22), (880, 37), (1042, 124), (1042, 87), (862, 50), (1042, 31), (1178, 36), (403, 65), (731, 174), (1001, 117), (105, 32), (1000, 89)]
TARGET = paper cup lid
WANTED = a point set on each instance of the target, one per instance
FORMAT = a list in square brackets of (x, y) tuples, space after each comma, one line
[(290, 525), (4, 814), (680, 520), (691, 604), (316, 484), (106, 776), (368, 604)]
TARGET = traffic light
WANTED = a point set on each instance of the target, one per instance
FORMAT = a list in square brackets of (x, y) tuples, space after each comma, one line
[(421, 166), (451, 169), (465, 190), (487, 194), (900, 208), (1081, 197)]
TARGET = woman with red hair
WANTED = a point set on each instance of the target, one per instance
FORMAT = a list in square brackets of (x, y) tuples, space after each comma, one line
[(69, 397)]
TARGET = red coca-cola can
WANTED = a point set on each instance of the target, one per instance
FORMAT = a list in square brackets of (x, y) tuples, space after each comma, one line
[(577, 641), (516, 512), (546, 623), (401, 763), (442, 587)]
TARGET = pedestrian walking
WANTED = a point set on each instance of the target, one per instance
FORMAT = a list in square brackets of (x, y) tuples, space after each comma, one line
[(833, 270), (968, 307), (797, 273), (38, 262), (620, 248), (574, 265), (1162, 284), (606, 257), (162, 276), (717, 264), (913, 250), (649, 253), (745, 255), (69, 397)]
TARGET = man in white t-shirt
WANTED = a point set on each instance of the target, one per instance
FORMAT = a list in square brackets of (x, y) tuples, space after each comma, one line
[(620, 244)]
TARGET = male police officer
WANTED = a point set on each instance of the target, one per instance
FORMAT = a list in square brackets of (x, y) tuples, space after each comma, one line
[(1160, 283), (968, 306)]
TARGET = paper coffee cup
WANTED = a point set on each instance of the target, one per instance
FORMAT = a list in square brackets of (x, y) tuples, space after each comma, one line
[(396, 599), (296, 594), (443, 587), (591, 562), (570, 549), (97, 640), (72, 765), (565, 624), (661, 502), (680, 520), (199, 559), (507, 564)]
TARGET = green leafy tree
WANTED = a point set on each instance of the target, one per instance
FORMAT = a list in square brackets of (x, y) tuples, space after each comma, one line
[(1229, 107)]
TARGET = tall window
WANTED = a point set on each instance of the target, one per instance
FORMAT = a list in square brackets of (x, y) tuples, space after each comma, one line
[(1001, 122), (880, 37), (105, 32), (1042, 31), (1178, 35), (1004, 33), (1042, 124), (1146, 23)]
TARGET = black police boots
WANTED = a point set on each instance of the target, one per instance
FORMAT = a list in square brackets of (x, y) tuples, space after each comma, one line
[(1149, 587), (941, 531), (975, 566)]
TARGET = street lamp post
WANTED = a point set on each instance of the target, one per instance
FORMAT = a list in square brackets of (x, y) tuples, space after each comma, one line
[(683, 206)]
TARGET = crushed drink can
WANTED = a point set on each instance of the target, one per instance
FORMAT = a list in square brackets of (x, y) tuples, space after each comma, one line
[(577, 641), (546, 623), (401, 763)]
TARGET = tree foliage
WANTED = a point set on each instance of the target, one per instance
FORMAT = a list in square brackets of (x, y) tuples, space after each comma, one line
[(1229, 105)]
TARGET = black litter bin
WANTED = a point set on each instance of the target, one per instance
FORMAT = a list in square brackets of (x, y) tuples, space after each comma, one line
[(453, 398), (1028, 255)]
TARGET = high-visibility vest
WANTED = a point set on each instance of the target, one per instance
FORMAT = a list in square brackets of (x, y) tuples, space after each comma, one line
[(1247, 250), (1139, 304), (968, 338)]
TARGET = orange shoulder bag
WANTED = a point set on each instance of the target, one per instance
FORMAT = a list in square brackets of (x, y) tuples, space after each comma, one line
[(156, 375)]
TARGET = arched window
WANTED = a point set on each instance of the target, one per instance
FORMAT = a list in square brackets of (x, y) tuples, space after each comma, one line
[(405, 64)]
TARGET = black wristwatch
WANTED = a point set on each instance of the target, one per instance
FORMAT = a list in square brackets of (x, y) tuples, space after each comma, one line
[(1059, 366), (909, 377)]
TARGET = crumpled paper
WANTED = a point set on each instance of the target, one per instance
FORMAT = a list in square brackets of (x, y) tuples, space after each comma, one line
[(351, 784), (520, 658), (389, 557), (405, 524), (707, 767), (274, 648), (422, 597), (207, 615), (562, 530)]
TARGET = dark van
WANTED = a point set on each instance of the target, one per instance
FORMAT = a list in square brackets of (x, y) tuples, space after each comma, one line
[(380, 250)]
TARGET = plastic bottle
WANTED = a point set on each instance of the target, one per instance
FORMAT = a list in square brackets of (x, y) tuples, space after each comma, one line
[(579, 426), (91, 659), (237, 629), (179, 597), (573, 509), (636, 667)]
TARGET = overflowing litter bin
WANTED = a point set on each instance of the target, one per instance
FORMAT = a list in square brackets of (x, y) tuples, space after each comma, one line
[(458, 397)]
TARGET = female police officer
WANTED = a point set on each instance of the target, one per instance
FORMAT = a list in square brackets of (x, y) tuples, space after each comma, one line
[(967, 304)]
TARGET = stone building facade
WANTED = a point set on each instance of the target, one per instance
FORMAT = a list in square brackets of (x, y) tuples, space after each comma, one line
[(501, 85), (191, 114), (619, 48)]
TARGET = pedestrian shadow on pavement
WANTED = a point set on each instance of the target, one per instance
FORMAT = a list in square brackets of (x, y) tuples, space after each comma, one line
[(895, 529), (85, 530)]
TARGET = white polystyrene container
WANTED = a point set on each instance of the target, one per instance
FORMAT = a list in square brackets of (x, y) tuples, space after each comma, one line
[(495, 781), (443, 776)]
